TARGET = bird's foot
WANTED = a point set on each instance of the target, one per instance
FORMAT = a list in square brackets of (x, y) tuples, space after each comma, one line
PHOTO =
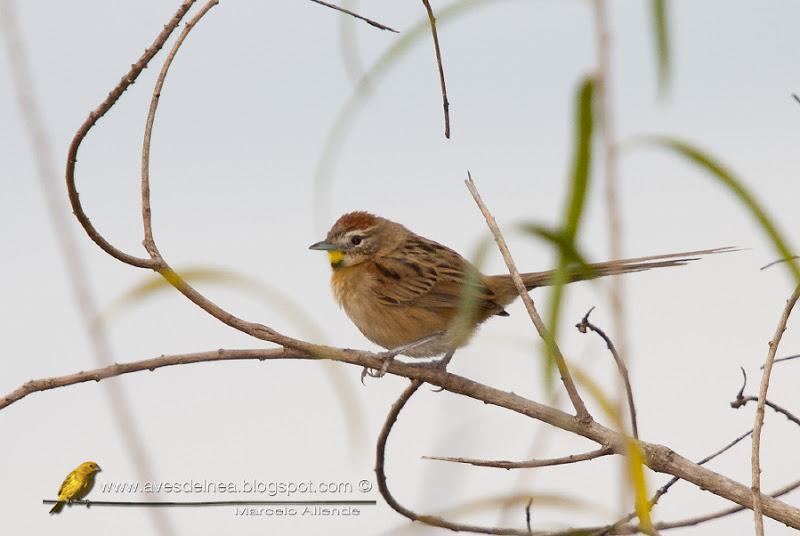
[(389, 356)]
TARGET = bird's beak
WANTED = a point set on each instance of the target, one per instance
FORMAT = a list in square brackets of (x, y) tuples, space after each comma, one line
[(323, 246), (98, 469)]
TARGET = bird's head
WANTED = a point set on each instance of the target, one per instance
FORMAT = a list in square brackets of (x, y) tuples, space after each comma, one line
[(358, 237), (88, 468)]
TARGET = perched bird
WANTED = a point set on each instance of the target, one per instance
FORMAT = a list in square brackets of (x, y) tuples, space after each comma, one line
[(77, 484), (404, 292)]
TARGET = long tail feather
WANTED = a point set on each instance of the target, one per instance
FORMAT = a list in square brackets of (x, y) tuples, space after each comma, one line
[(624, 266)]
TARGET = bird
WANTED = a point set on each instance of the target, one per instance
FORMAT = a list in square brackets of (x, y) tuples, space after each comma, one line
[(405, 292), (76, 485)]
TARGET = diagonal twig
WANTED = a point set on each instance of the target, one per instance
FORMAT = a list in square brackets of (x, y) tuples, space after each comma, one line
[(759, 418), (582, 326), (580, 408), (356, 15), (435, 33)]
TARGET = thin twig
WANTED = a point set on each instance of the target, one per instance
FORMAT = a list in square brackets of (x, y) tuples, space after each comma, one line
[(526, 464), (580, 408), (773, 263), (582, 326), (445, 102), (743, 400), (759, 419), (605, 106), (610, 529), (624, 528), (788, 358), (356, 15), (380, 475), (149, 242)]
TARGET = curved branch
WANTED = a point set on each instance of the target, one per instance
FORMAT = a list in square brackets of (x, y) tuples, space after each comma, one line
[(527, 464), (72, 155), (149, 243), (380, 474)]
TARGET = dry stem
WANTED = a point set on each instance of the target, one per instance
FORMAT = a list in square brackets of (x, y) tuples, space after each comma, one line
[(759, 418), (580, 408)]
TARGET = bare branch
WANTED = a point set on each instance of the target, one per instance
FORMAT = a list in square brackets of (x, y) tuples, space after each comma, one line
[(759, 419), (149, 243), (582, 326), (356, 15), (580, 408), (445, 102), (380, 474), (72, 155), (657, 457), (152, 364), (527, 464)]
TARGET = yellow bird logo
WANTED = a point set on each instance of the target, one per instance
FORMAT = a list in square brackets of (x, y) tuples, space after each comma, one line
[(76, 486)]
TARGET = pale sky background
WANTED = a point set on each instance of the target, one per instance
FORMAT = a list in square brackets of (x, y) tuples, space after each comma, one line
[(246, 109)]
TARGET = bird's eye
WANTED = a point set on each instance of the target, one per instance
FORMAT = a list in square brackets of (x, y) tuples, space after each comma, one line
[(356, 240)]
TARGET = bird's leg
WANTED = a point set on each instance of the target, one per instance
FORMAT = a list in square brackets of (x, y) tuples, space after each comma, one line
[(441, 364), (389, 356)]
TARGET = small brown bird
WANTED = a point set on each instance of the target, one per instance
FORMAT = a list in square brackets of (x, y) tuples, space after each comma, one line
[(404, 292), (77, 484)]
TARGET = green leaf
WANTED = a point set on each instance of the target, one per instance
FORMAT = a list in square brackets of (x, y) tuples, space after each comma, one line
[(661, 33), (573, 211), (734, 185)]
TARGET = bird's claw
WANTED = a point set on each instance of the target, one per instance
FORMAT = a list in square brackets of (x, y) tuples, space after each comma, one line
[(387, 358)]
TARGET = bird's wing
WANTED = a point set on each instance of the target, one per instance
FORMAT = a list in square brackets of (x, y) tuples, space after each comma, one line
[(422, 273), (70, 486)]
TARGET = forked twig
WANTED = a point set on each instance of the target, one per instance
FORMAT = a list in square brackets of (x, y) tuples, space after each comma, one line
[(742, 400), (580, 408), (582, 326)]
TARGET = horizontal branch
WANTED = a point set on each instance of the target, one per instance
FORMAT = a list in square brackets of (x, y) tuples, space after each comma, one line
[(526, 464), (658, 457)]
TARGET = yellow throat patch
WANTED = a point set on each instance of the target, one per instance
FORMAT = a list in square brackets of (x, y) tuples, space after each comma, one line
[(335, 257)]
